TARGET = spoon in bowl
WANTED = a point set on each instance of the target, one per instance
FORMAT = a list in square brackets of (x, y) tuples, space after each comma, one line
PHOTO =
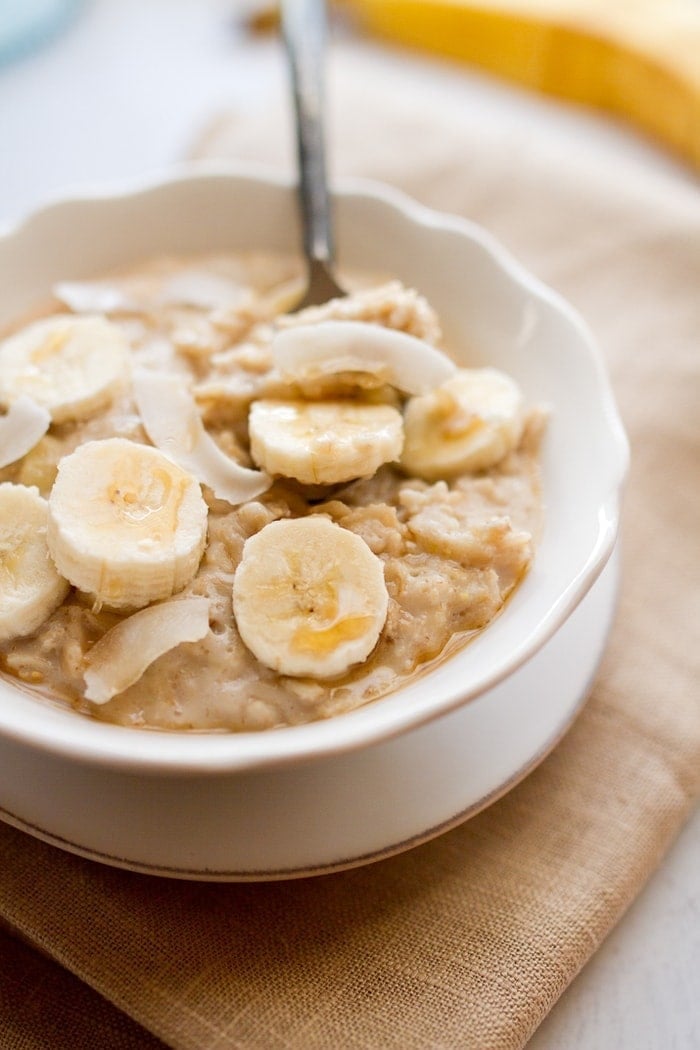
[(304, 29)]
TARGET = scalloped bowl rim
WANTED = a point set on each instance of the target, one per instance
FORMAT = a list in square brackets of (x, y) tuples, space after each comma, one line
[(63, 732)]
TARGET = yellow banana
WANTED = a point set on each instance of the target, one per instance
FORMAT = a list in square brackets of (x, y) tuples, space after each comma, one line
[(639, 60)]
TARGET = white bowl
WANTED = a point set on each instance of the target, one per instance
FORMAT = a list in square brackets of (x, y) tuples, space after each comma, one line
[(86, 783)]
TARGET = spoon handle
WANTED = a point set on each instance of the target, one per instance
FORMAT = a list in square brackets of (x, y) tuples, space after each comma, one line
[(304, 29)]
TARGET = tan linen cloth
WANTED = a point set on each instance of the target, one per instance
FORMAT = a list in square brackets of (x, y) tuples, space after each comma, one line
[(469, 940)]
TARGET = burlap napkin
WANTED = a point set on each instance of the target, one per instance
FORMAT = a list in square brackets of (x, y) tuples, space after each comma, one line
[(469, 940)]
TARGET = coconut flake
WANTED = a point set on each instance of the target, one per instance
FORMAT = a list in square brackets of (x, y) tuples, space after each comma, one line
[(23, 426), (331, 347), (122, 654), (172, 421), (93, 297), (204, 291)]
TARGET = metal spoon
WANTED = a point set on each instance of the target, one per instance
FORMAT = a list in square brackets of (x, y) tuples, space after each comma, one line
[(304, 29)]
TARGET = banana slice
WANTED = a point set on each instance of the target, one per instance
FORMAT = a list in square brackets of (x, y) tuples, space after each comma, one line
[(72, 366), (305, 352), (309, 597), (122, 654), (468, 423), (324, 442), (30, 586), (21, 428), (172, 421), (125, 524)]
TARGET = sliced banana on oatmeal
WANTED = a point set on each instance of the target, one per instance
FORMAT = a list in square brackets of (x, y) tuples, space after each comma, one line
[(324, 442), (125, 524), (309, 597), (304, 352), (30, 586), (72, 366), (468, 423), (172, 421), (21, 428)]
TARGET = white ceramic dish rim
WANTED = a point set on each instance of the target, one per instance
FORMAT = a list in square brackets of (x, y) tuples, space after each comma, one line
[(154, 751)]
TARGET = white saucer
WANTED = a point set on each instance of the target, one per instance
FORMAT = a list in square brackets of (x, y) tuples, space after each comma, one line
[(326, 815)]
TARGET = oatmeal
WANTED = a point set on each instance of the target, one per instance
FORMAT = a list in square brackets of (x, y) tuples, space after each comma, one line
[(218, 515)]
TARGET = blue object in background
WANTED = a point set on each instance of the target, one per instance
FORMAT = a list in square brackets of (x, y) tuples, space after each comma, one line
[(28, 24)]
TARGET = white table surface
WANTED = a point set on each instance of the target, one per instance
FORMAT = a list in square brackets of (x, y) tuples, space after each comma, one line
[(123, 92)]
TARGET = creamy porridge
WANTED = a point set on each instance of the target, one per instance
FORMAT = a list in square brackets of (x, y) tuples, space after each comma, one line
[(215, 515)]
